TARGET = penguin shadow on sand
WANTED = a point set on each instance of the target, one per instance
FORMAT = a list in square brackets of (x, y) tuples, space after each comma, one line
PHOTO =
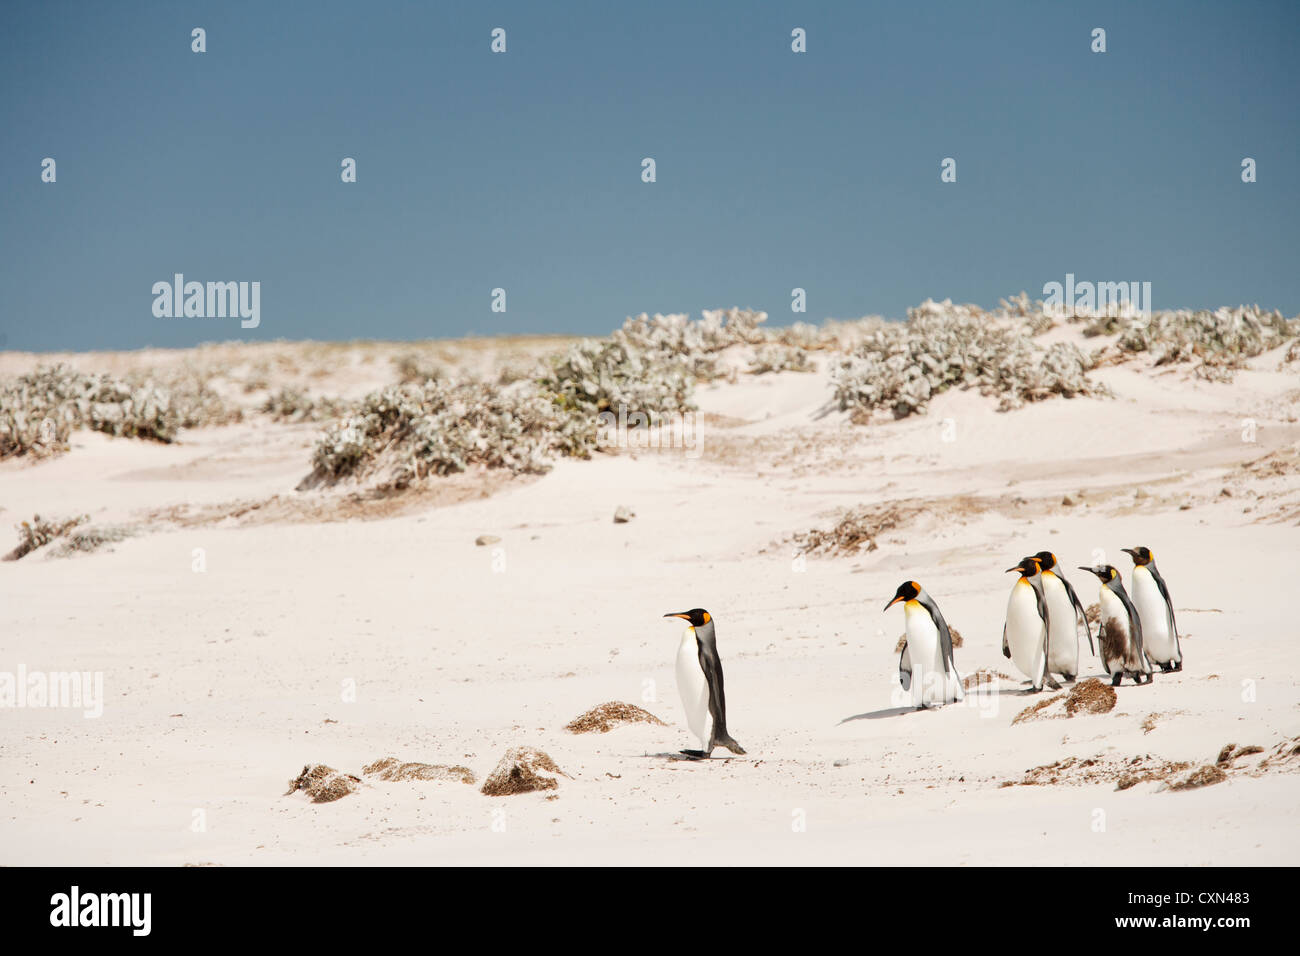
[(882, 714), (690, 756)]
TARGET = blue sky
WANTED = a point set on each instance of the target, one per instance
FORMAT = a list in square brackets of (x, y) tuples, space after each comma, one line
[(523, 170)]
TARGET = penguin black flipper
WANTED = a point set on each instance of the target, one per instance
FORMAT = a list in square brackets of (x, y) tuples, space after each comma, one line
[(1006, 648), (905, 668), (1169, 606), (1041, 600), (945, 637), (1078, 606), (711, 665)]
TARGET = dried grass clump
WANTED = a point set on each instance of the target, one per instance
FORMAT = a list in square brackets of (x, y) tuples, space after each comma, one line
[(1231, 752), (323, 784), (855, 529), (295, 405), (392, 769), (1035, 711), (522, 770), (437, 428), (1219, 341), (1203, 776), (39, 532), (901, 366), (87, 540), (1090, 696), (606, 717)]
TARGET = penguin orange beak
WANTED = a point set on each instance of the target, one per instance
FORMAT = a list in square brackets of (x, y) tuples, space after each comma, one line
[(682, 614), (1129, 551), (897, 598), (1016, 568)]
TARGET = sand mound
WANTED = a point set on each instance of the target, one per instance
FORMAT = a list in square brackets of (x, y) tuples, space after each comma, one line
[(606, 717), (390, 768), (323, 784), (1090, 696), (522, 770)]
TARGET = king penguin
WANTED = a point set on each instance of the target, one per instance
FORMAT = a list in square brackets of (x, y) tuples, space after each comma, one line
[(1024, 636), (699, 681), (1064, 611), (1151, 596), (926, 666), (1120, 631)]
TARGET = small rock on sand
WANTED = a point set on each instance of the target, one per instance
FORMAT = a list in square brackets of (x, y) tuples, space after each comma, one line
[(485, 539), (623, 514), (522, 770)]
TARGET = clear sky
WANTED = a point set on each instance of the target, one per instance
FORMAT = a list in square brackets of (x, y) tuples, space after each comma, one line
[(522, 170)]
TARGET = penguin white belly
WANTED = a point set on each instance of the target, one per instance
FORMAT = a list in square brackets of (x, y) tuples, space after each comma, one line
[(930, 684), (1114, 617), (1025, 631), (693, 687), (1150, 603), (1063, 632)]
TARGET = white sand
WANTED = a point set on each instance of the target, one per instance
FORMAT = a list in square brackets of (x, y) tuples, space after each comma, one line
[(219, 685)]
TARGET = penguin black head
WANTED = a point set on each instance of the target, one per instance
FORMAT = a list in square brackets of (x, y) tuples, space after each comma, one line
[(1028, 566), (1141, 556), (1105, 572), (907, 591), (1046, 560), (696, 617)]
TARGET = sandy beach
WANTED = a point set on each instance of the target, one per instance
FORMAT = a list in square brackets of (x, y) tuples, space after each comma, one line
[(245, 629)]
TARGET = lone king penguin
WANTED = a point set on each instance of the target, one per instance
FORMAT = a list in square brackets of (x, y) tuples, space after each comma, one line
[(699, 681)]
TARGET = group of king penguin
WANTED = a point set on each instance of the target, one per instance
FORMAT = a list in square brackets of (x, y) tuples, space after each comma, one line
[(1040, 636)]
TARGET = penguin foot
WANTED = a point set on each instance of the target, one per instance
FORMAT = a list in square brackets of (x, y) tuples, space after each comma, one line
[(1114, 681), (1068, 678), (1166, 668), (1051, 682), (695, 754), (1178, 665)]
